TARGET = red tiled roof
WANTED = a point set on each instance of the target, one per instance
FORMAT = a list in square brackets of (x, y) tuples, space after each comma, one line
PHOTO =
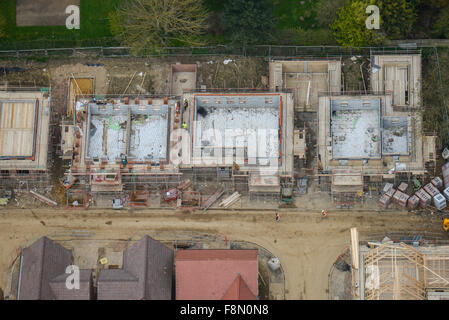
[(213, 274), (239, 291), (216, 254)]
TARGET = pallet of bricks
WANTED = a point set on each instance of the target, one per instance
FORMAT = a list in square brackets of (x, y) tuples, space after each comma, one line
[(431, 188), (400, 198), (413, 202), (440, 199), (385, 200), (424, 198)]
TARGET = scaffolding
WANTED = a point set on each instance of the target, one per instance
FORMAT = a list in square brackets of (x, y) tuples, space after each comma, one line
[(395, 271), (35, 176)]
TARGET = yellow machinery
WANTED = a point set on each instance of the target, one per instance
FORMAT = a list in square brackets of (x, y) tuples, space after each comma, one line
[(446, 224)]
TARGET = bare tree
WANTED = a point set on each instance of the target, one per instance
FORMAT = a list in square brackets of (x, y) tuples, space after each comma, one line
[(157, 23)]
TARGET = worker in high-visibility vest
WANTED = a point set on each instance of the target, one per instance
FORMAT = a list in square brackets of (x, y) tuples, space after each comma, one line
[(184, 125), (323, 214)]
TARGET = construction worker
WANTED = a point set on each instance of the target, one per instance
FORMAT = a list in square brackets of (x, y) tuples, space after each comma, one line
[(184, 125), (278, 217), (323, 214)]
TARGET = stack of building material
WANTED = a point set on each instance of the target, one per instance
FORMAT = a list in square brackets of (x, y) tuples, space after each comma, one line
[(400, 198), (431, 190), (437, 183), (384, 201), (424, 198), (139, 198), (439, 201), (413, 202), (390, 192), (184, 185), (44, 199), (446, 193), (445, 169), (190, 199), (170, 195), (403, 187), (387, 187), (229, 201), (211, 200)]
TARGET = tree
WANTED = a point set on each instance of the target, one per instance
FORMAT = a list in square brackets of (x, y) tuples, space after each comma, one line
[(350, 29), (437, 3), (326, 11), (247, 22), (2, 27), (398, 17), (441, 26), (158, 23)]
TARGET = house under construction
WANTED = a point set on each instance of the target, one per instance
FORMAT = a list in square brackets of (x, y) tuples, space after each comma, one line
[(245, 138), (306, 79), (394, 270), (370, 137), (24, 135), (398, 74), (122, 141)]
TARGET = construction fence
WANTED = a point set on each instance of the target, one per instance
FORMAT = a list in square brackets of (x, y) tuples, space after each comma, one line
[(52, 48)]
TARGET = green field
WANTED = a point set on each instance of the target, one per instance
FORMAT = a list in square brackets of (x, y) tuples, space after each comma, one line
[(94, 23)]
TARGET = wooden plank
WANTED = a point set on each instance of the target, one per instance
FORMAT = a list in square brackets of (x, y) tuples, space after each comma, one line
[(44, 199), (16, 128), (231, 198), (212, 199), (228, 198), (232, 202), (355, 248)]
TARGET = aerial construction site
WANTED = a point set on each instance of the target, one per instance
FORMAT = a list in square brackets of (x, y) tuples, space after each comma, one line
[(103, 157)]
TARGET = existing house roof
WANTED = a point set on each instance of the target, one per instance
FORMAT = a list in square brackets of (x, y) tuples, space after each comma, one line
[(85, 291), (239, 290), (146, 274), (40, 263), (216, 274), (117, 284)]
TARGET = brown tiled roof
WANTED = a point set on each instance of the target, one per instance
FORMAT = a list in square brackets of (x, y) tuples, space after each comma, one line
[(211, 274), (117, 284), (239, 290), (58, 286), (151, 263), (41, 262)]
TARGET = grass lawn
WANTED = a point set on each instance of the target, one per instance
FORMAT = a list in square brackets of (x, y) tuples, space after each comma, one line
[(94, 23), (295, 13)]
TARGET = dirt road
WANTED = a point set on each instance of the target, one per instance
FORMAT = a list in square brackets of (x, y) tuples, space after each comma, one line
[(305, 245)]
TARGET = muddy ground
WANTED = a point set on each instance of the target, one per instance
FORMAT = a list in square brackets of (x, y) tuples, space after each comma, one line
[(306, 245), (143, 75)]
